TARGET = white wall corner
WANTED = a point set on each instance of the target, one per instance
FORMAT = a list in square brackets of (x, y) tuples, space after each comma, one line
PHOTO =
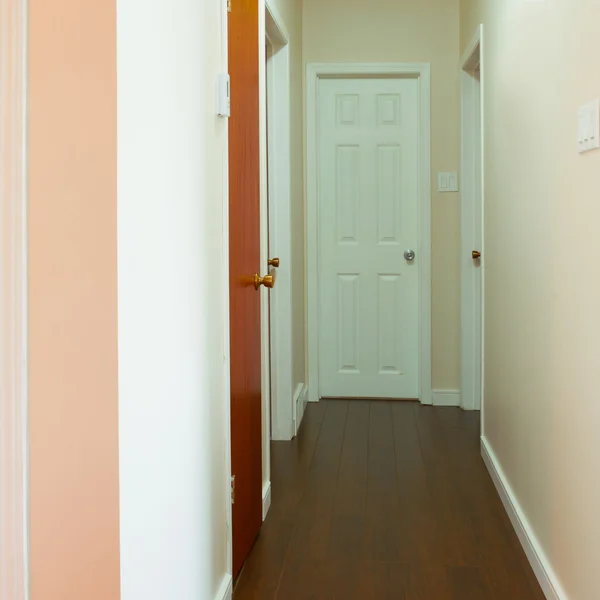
[(225, 589), (266, 499), (535, 554), (300, 401), (446, 397)]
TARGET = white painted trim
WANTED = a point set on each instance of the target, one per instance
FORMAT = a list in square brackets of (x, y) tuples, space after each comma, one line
[(266, 500), (446, 397), (265, 359), (300, 400), (14, 485), (421, 72), (468, 61), (277, 156), (276, 30), (540, 564), (471, 348), (226, 373), (225, 589)]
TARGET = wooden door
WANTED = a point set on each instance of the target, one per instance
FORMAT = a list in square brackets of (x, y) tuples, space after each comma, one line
[(244, 262), (369, 238)]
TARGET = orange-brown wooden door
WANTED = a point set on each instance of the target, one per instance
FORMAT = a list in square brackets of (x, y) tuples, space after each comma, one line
[(244, 262)]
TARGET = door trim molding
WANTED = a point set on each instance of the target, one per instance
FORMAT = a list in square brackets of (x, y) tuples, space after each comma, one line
[(276, 232), (14, 490), (314, 73), (472, 398)]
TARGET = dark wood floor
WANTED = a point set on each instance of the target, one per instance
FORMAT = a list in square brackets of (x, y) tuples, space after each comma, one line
[(379, 500)]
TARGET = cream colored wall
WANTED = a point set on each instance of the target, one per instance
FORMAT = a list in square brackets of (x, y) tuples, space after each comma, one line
[(471, 13), (542, 252), (173, 301), (72, 304), (411, 31), (291, 13)]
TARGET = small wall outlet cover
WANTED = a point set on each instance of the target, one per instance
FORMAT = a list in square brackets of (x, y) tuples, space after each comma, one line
[(447, 182)]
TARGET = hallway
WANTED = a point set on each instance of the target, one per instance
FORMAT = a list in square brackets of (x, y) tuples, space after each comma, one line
[(378, 500)]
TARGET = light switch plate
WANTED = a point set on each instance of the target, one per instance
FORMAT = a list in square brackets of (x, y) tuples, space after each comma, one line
[(447, 182), (588, 132)]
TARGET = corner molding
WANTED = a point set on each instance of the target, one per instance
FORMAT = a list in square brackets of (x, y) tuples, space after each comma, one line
[(300, 401), (266, 500), (226, 589), (535, 554), (13, 303)]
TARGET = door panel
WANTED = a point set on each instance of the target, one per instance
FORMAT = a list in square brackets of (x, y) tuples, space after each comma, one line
[(368, 216), (244, 261)]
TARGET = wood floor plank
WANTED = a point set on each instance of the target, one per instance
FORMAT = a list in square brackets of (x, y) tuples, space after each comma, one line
[(496, 542), (383, 581), (313, 523), (290, 462), (383, 543), (385, 500), (427, 582), (415, 529), (349, 512), (454, 526), (468, 583)]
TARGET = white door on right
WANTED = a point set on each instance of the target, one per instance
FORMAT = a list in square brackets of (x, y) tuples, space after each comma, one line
[(368, 163)]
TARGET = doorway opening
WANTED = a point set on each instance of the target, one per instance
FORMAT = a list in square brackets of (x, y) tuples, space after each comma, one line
[(394, 365), (285, 416), (472, 224)]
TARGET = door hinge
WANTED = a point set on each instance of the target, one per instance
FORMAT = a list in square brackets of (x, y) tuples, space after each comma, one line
[(233, 489), (228, 5)]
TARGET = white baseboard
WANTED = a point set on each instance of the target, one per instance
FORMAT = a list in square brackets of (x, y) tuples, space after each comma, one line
[(446, 397), (537, 558), (266, 500), (300, 400), (225, 589)]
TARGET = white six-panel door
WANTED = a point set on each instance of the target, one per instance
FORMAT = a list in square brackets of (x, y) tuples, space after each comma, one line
[(368, 217)]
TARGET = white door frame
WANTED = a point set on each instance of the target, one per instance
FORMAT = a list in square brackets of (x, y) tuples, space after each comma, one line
[(275, 220), (472, 192), (14, 582), (314, 73)]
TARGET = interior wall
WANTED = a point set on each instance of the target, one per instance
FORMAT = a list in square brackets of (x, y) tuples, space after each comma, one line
[(291, 13), (72, 244), (173, 301), (411, 31), (541, 252)]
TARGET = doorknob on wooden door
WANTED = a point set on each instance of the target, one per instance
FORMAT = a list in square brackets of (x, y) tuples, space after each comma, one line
[(476, 254), (274, 262), (268, 281)]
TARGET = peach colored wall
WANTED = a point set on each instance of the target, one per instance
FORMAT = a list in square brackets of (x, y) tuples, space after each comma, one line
[(74, 495)]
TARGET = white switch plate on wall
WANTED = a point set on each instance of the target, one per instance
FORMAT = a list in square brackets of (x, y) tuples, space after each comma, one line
[(447, 182), (588, 133)]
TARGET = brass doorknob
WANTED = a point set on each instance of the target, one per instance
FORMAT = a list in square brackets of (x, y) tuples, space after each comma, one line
[(274, 262), (268, 281), (476, 254)]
